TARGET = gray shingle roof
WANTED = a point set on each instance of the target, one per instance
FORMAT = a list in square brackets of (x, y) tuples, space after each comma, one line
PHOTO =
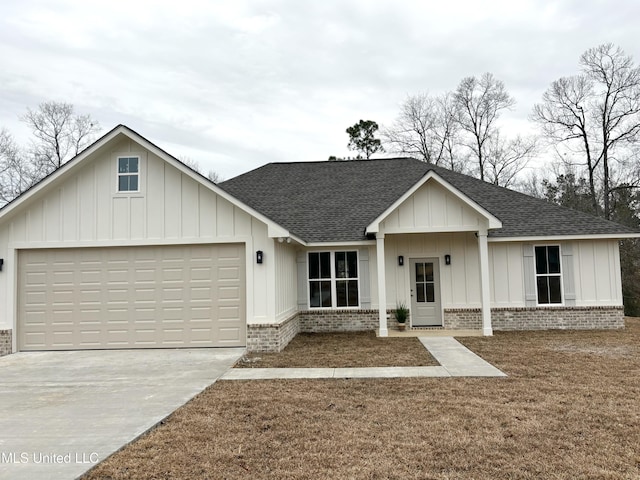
[(335, 201)]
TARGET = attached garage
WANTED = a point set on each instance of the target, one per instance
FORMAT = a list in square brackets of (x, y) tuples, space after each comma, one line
[(167, 296)]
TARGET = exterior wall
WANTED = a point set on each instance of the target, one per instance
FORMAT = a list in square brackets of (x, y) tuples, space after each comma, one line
[(596, 265), (547, 318), (432, 208), (506, 273), (460, 281), (591, 273), (286, 281), (338, 320), (84, 209), (577, 318), (5, 342), (272, 337)]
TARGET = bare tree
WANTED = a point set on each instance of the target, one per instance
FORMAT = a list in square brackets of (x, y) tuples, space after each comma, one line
[(480, 102), (16, 174), (507, 158), (596, 115), (59, 133), (426, 128), (214, 176)]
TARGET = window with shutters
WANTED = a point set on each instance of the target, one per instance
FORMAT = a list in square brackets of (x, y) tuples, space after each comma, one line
[(548, 274)]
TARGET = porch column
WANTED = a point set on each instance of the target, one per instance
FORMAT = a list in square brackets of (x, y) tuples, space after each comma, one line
[(382, 286), (485, 296)]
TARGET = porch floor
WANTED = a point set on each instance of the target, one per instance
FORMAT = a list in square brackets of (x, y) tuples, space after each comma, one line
[(432, 332)]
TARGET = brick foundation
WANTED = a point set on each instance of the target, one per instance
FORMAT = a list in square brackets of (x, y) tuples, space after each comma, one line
[(536, 318), (274, 337), (463, 319), (5, 342), (570, 318), (315, 321), (269, 337)]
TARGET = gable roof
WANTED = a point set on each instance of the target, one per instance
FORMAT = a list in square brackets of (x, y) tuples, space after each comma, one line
[(274, 229), (336, 201)]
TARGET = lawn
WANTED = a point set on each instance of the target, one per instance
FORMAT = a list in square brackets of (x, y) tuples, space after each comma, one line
[(570, 409), (338, 350)]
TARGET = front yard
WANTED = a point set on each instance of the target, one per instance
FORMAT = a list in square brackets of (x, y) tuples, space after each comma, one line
[(570, 408)]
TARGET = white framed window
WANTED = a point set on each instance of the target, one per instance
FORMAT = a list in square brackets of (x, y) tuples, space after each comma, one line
[(129, 174), (548, 274), (333, 279)]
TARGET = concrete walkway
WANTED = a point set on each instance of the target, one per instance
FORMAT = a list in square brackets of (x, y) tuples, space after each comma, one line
[(455, 361), (62, 412)]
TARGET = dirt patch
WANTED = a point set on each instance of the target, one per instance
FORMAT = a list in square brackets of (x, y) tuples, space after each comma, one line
[(343, 350), (559, 414)]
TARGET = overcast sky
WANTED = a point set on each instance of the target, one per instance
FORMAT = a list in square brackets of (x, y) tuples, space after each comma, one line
[(236, 84)]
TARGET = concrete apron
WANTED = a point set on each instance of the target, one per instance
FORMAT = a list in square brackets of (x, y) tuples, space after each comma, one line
[(63, 412)]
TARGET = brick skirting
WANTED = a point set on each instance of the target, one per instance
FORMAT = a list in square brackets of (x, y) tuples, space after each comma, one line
[(272, 337), (315, 321), (5, 342), (462, 319), (269, 337), (537, 318), (569, 318)]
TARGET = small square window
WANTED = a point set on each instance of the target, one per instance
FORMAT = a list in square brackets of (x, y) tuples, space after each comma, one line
[(128, 174)]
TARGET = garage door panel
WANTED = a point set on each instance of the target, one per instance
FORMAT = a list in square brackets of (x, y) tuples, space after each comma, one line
[(134, 297)]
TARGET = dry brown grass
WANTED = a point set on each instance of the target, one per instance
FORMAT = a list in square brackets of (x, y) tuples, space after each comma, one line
[(343, 350), (570, 409)]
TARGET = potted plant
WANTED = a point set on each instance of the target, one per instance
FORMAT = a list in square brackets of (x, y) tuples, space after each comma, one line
[(401, 313)]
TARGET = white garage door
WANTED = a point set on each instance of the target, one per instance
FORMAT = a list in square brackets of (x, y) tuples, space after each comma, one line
[(131, 297)]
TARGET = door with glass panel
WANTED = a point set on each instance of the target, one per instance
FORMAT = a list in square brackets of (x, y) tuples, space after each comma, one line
[(425, 293)]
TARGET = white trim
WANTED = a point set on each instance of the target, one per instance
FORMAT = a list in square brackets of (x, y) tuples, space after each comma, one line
[(339, 244), (493, 221), (485, 283), (560, 238), (560, 274), (402, 230), (382, 287), (131, 243)]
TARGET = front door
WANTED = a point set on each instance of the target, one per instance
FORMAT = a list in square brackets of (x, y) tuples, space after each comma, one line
[(425, 293)]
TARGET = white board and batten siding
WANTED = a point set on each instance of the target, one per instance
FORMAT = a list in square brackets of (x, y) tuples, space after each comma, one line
[(590, 273), (590, 270), (459, 281), (83, 209), (432, 208)]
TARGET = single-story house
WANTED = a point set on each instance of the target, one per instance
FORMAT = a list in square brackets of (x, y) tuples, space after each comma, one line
[(126, 247)]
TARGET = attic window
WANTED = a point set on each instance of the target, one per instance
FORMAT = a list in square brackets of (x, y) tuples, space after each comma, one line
[(128, 174)]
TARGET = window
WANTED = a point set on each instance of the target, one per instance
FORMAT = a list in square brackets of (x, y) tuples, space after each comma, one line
[(128, 174), (548, 275), (333, 279)]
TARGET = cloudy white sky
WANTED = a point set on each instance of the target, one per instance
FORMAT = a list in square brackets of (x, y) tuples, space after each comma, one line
[(236, 84)]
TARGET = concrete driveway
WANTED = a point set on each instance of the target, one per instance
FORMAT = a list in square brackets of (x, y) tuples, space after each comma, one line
[(63, 412)]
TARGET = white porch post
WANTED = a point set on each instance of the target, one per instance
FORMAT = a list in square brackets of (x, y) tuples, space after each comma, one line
[(485, 296), (382, 288)]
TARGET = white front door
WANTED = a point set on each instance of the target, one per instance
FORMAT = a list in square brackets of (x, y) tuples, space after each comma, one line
[(425, 293)]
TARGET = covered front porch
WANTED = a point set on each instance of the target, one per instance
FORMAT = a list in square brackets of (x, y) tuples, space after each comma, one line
[(432, 257)]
